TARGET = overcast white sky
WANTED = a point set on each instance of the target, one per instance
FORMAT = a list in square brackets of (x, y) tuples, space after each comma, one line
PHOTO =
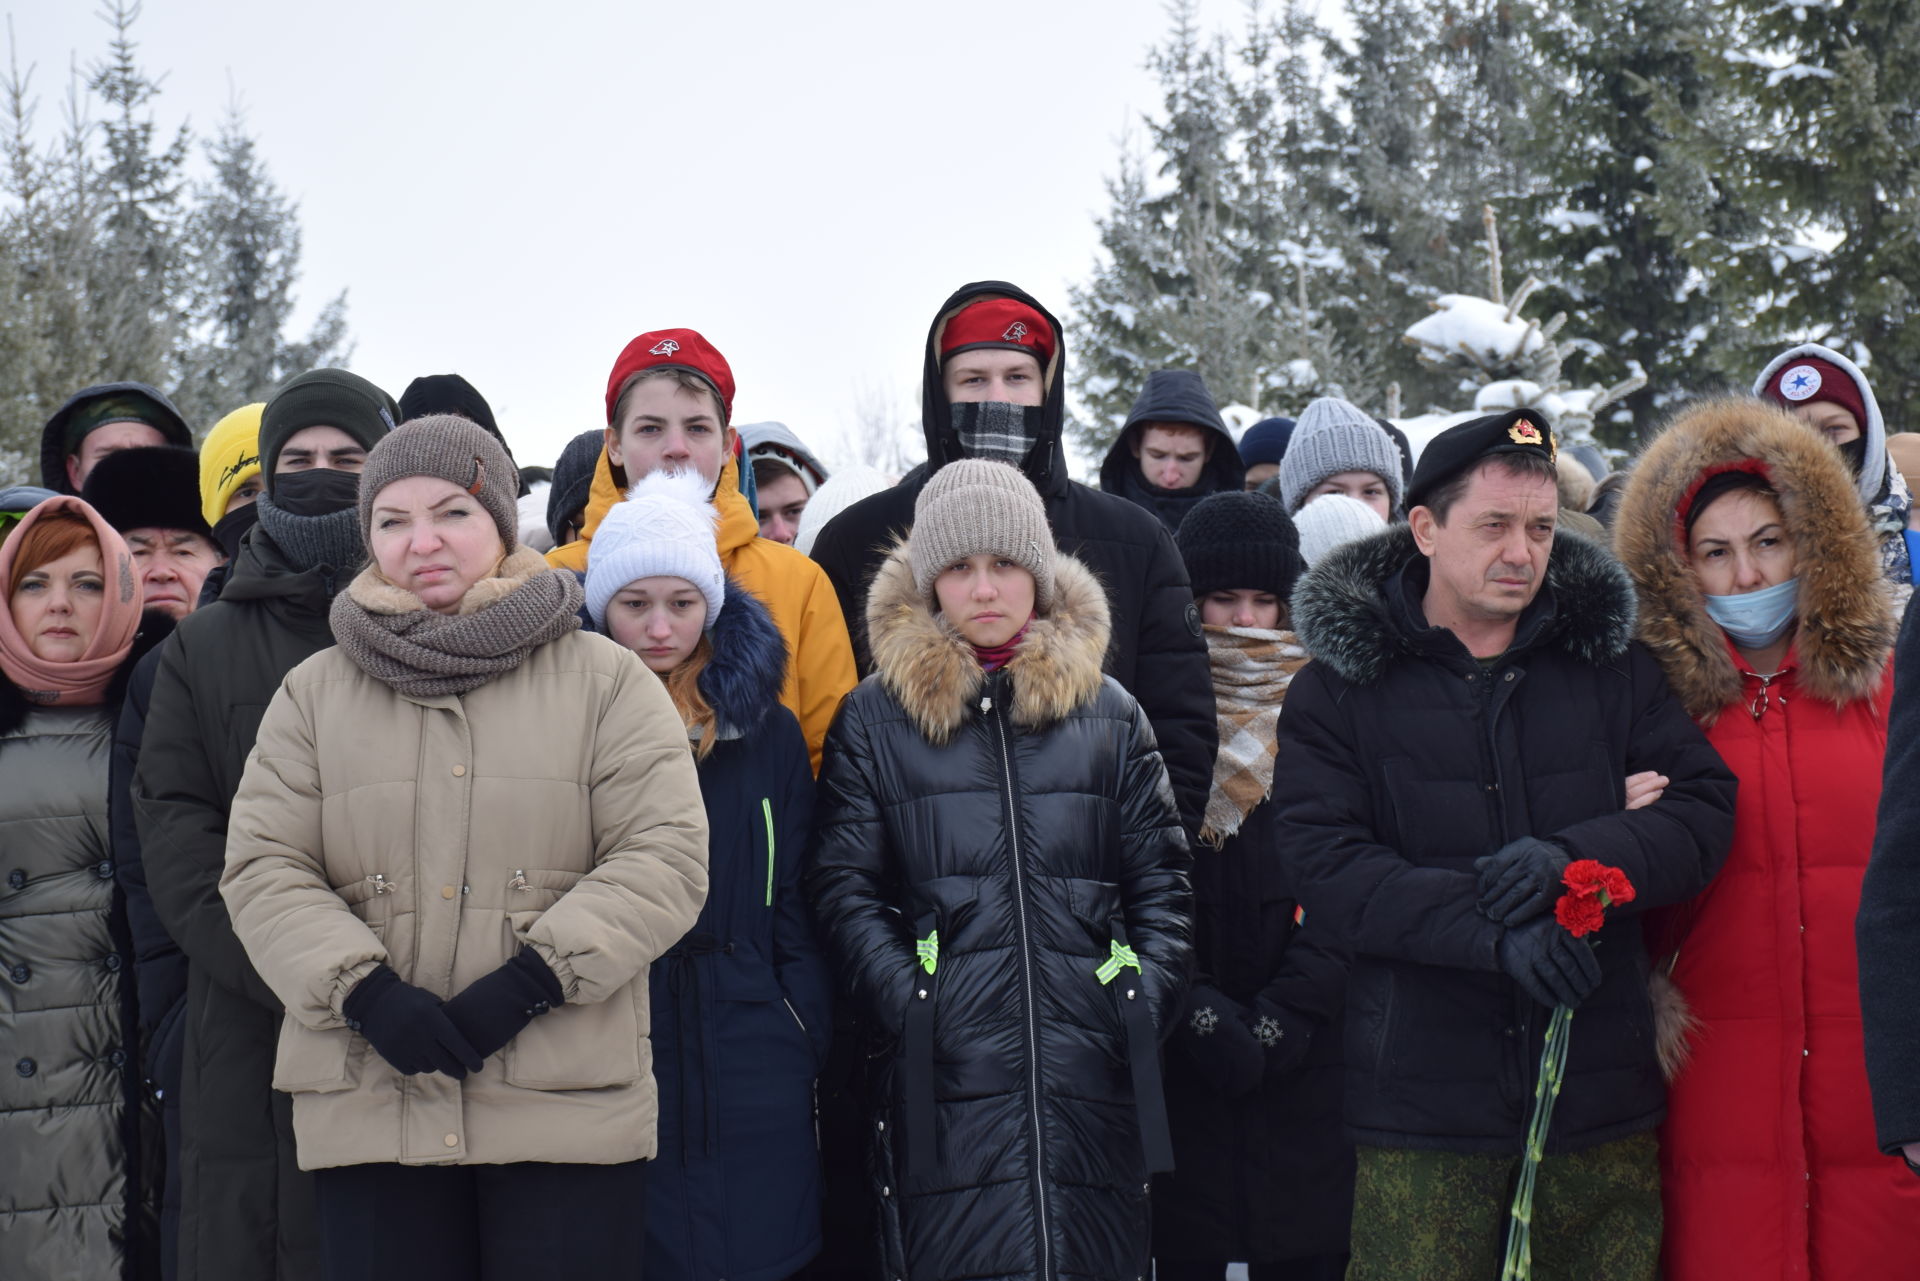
[(511, 191)]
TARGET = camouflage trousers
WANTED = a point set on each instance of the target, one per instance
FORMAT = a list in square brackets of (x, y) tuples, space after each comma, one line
[(1442, 1216)]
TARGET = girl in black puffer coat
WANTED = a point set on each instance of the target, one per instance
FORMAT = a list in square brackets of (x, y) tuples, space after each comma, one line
[(1264, 1169), (1002, 878)]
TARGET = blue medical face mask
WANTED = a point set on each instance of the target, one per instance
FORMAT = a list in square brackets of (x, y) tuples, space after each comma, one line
[(1757, 619)]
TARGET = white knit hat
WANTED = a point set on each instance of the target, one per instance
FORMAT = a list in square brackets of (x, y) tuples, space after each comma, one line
[(840, 491), (1330, 520), (1333, 436), (665, 527)]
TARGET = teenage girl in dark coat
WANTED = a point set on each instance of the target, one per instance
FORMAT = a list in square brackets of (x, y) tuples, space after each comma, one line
[(742, 1005)]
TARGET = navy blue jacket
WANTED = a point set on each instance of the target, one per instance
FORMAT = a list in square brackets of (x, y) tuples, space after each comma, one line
[(742, 1005)]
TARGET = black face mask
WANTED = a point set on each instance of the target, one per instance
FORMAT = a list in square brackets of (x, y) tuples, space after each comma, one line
[(1855, 452), (317, 491), (997, 431), (233, 526)]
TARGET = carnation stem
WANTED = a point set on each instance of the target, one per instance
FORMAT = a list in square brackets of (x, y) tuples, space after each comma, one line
[(1518, 1264)]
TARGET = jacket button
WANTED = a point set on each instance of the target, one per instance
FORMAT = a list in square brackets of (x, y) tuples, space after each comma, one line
[(104, 869), (26, 1067), (1510, 1032), (882, 1126), (17, 879), (112, 962), (452, 1140), (20, 973), (459, 771), (118, 1058), (1509, 675), (447, 891), (885, 1190)]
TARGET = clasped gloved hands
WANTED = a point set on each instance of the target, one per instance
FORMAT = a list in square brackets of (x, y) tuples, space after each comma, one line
[(1219, 1040), (1550, 965), (1520, 880), (495, 1007), (408, 1026)]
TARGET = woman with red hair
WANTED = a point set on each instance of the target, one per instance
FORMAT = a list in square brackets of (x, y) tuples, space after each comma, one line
[(70, 1112)]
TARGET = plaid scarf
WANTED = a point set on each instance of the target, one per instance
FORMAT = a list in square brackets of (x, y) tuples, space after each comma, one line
[(1251, 671), (998, 432)]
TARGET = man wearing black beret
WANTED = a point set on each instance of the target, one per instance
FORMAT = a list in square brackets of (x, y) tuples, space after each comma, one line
[(1478, 715)]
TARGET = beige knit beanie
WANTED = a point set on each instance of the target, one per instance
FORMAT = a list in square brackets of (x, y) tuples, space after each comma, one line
[(973, 507), (454, 449)]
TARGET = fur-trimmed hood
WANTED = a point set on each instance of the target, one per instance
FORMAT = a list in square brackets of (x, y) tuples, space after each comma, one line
[(742, 680), (1343, 616), (1846, 613), (931, 671)]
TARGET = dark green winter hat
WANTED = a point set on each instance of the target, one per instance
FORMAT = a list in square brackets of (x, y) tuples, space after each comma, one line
[(324, 398), (120, 407)]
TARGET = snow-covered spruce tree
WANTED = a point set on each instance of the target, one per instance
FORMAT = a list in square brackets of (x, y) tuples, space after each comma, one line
[(116, 263), (1823, 143), (1209, 260), (1596, 229), (242, 241), (1426, 112)]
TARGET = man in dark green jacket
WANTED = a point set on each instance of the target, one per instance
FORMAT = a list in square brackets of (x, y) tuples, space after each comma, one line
[(246, 1209)]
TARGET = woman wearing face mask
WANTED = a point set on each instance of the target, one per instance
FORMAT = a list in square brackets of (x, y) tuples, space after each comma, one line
[(70, 1120), (741, 1005), (462, 837), (1002, 879), (1830, 396), (1760, 591)]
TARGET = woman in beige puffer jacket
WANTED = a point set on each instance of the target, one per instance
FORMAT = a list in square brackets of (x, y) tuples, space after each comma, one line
[(461, 838)]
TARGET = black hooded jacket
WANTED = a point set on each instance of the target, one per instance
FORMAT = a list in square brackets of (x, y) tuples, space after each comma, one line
[(246, 1208), (1156, 652), (1172, 396), (1402, 760), (53, 436)]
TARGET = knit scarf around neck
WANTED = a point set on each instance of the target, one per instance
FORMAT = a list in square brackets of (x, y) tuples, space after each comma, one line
[(393, 638), (1251, 671), (994, 657), (309, 542)]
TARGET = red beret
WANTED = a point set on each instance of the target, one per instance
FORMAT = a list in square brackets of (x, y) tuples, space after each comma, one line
[(1809, 378), (673, 349), (999, 322)]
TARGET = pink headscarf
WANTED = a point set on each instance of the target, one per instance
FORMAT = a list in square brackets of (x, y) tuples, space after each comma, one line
[(82, 682)]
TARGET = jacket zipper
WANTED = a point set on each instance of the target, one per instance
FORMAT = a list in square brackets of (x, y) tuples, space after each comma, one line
[(796, 1016), (1026, 984), (766, 812)]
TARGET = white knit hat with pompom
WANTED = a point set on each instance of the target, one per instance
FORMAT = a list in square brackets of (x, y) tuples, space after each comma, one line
[(664, 527)]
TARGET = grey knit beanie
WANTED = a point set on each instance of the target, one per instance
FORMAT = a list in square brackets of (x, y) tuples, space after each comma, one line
[(454, 449), (973, 507), (1330, 437)]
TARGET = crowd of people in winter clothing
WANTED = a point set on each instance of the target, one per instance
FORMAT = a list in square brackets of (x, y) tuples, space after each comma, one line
[(691, 861)]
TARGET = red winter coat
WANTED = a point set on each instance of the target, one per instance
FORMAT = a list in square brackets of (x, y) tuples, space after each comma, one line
[(1769, 1163)]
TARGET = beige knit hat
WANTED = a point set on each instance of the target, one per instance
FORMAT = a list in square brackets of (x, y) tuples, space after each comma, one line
[(974, 507), (454, 449)]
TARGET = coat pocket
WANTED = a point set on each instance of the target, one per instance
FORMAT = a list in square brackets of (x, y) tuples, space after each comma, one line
[(313, 1061), (580, 1047)]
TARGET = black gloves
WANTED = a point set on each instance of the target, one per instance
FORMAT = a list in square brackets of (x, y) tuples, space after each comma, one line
[(1219, 1040), (1550, 965), (408, 1026), (1287, 1037), (496, 1006), (1520, 880)]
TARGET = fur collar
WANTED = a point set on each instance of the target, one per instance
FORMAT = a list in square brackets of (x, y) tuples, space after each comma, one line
[(1847, 619), (376, 594), (930, 669), (1342, 614), (743, 678)]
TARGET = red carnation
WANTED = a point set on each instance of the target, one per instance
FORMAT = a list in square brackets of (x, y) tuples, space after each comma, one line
[(1592, 888)]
